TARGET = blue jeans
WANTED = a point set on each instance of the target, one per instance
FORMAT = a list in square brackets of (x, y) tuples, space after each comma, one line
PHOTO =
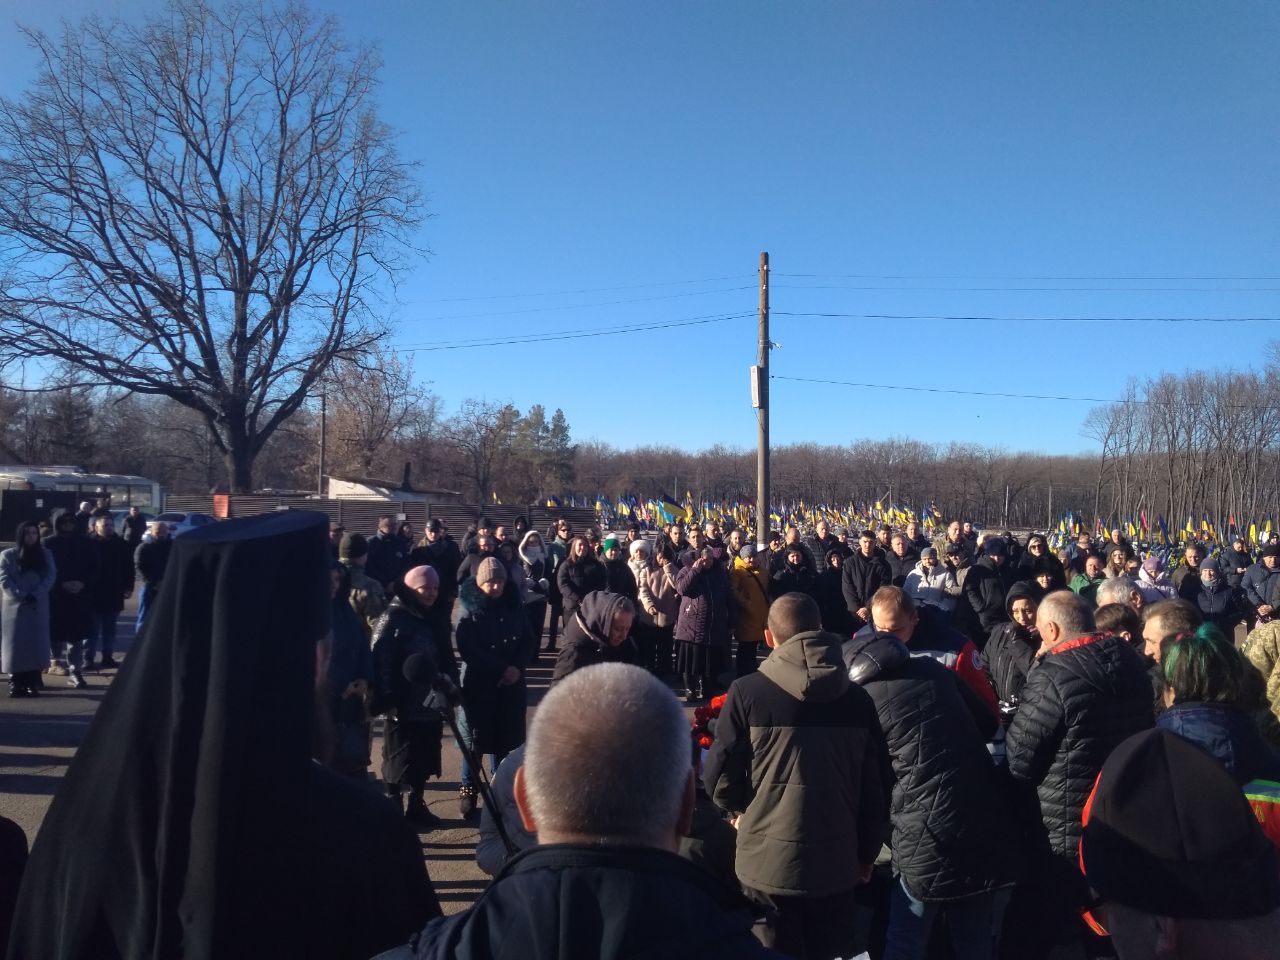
[(102, 634), (971, 921)]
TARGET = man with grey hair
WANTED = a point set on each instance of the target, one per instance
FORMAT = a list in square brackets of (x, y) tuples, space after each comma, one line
[(609, 807), (1120, 590), (1088, 692)]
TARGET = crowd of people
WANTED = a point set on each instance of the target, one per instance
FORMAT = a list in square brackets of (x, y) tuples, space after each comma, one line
[(971, 747)]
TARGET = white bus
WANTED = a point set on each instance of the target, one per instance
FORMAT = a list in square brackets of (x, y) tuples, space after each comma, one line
[(125, 491)]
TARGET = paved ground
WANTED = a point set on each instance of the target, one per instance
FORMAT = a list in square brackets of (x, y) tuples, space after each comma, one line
[(39, 736)]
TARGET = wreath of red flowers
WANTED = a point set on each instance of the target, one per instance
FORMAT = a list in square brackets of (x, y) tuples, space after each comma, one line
[(704, 722)]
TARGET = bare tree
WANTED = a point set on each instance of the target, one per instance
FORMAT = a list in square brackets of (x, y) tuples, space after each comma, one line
[(482, 434), (372, 404), (197, 208)]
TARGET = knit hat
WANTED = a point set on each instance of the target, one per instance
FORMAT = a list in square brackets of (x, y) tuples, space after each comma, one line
[(995, 547), (1153, 566), (490, 568), (1170, 833), (609, 544), (1211, 564), (353, 547), (1269, 551), (748, 551), (422, 576), (928, 553), (639, 546)]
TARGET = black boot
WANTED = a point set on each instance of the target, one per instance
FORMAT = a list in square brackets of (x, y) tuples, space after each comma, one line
[(394, 795), (417, 810), (16, 687), (467, 801)]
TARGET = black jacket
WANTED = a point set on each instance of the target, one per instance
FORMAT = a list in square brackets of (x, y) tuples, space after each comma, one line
[(581, 648), (444, 557), (151, 559), (860, 578), (570, 901), (400, 633), (620, 579), (1080, 701), (577, 578), (386, 560), (1011, 649), (985, 586), (952, 831), (899, 567), (115, 573), (493, 634), (798, 579)]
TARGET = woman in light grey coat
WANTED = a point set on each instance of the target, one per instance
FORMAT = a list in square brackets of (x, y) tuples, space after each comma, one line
[(26, 576)]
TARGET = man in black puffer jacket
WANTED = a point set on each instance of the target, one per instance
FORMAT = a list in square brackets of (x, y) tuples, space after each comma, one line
[(863, 574), (1088, 693), (954, 841), (985, 587)]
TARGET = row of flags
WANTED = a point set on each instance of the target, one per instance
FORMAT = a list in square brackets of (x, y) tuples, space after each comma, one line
[(1156, 529), (742, 512)]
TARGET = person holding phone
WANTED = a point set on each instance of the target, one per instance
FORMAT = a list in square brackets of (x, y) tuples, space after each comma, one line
[(704, 623)]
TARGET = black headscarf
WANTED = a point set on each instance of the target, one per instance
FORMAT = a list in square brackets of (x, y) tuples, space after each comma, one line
[(192, 821)]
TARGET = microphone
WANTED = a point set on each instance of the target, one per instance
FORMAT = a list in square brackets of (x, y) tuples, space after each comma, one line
[(419, 669)]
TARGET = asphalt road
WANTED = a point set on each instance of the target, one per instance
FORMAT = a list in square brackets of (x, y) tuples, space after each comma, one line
[(39, 737)]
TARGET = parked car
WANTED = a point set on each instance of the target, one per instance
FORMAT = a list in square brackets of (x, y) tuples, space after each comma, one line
[(180, 523)]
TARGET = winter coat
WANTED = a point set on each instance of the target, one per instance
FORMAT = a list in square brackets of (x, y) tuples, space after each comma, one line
[(533, 559), (577, 578), (24, 613), (985, 588), (751, 601), (620, 579), (571, 901), (900, 567), (1087, 588), (799, 755), (1155, 589), (115, 574), (71, 614), (861, 578), (492, 635), (797, 579), (386, 559), (952, 828), (401, 632), (444, 557), (706, 607), (656, 585), (1218, 605), (1262, 648), (1227, 732), (836, 617), (586, 637), (937, 586), (1187, 582), (819, 547), (1029, 567), (1011, 650), (367, 598), (151, 560), (1259, 585), (1082, 699), (1232, 560)]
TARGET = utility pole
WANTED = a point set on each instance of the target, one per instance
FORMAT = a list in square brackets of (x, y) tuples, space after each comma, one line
[(320, 472), (761, 398)]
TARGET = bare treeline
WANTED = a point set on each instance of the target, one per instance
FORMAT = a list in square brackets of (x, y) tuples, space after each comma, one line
[(1180, 446)]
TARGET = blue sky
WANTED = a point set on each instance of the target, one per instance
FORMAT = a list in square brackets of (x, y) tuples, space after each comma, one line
[(900, 159)]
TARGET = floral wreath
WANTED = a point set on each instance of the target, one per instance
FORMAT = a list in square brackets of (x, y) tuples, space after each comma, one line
[(705, 720)]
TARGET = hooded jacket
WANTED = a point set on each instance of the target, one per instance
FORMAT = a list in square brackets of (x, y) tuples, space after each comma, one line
[(1080, 701), (586, 636), (985, 588), (800, 756), (1011, 649), (937, 586), (1155, 589), (952, 826)]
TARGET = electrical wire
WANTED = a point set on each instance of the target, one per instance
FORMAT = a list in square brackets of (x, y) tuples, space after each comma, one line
[(967, 393), (573, 334), (900, 316), (579, 306), (792, 286), (567, 293), (903, 276)]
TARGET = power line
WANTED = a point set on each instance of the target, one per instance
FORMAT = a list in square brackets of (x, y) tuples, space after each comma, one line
[(573, 334), (1014, 279), (901, 316), (567, 293), (579, 306), (968, 393), (952, 289)]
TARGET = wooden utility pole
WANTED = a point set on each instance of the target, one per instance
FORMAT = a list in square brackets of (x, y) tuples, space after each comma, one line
[(761, 398)]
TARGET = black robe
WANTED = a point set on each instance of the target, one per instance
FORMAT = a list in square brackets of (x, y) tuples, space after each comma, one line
[(193, 821)]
